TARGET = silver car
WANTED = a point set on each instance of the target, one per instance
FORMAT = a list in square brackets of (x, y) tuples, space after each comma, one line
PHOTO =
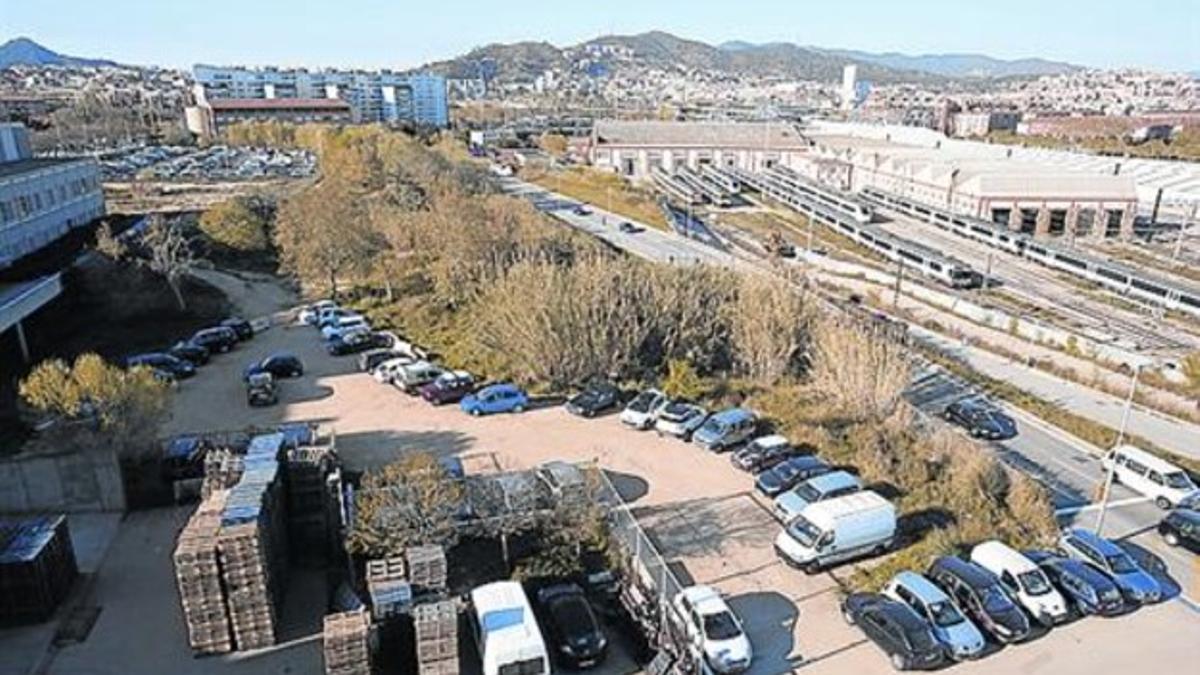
[(961, 639)]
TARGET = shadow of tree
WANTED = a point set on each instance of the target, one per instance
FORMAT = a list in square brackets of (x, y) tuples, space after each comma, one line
[(707, 526), (769, 619), (630, 487)]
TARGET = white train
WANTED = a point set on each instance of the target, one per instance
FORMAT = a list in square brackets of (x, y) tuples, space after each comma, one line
[(859, 210), (1116, 277), (712, 192), (722, 178), (675, 188), (912, 256)]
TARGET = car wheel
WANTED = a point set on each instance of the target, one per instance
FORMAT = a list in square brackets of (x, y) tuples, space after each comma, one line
[(476, 412), (899, 662), (589, 413), (1162, 503), (1171, 538), (299, 372), (848, 617), (518, 409), (812, 568)]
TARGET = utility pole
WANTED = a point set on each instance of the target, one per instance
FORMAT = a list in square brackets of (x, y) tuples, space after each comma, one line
[(1108, 477)]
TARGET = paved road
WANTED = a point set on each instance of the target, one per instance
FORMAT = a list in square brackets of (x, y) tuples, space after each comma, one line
[(1066, 465)]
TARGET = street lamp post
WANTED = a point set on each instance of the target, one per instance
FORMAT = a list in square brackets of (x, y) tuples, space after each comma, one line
[(1108, 476)]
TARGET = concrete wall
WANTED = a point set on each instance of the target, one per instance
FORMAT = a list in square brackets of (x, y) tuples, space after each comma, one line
[(68, 482)]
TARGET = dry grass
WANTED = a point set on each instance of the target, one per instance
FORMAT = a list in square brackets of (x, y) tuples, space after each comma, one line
[(603, 190)]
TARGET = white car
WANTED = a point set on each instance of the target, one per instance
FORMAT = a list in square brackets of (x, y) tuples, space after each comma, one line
[(713, 630), (826, 486), (680, 419), (1167, 484), (385, 372), (1024, 580), (309, 315), (642, 412), (345, 325)]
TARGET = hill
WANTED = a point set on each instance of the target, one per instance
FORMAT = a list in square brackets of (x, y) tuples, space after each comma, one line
[(960, 65), (26, 52)]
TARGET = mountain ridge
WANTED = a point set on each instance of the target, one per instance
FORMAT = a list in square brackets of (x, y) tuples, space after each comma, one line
[(25, 51)]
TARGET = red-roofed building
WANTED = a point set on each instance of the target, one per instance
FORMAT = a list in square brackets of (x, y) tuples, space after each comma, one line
[(207, 118)]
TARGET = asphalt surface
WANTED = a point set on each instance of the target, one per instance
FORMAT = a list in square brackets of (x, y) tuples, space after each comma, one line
[(1067, 466)]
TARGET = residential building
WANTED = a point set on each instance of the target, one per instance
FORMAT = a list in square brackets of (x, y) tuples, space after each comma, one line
[(634, 149), (373, 96), (207, 118), (979, 124)]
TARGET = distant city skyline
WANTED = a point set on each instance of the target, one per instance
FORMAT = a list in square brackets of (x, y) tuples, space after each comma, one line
[(1155, 34)]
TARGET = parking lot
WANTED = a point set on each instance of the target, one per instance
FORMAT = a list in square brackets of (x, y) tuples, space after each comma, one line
[(695, 506), (217, 162)]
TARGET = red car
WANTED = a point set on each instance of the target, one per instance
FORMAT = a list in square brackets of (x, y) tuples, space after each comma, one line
[(449, 387)]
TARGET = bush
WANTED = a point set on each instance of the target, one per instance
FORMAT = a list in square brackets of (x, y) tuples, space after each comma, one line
[(237, 224)]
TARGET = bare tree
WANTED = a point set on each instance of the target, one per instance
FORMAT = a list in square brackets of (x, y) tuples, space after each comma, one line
[(861, 373), (108, 245), (771, 326), (169, 253)]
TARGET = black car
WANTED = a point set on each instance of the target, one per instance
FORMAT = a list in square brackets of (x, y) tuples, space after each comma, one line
[(278, 365), (353, 343), (788, 473), (572, 628), (763, 453), (980, 595), (981, 420), (176, 367), (595, 399), (629, 228), (190, 352), (1181, 527), (218, 339), (894, 628), (581, 210), (240, 326), (1090, 591)]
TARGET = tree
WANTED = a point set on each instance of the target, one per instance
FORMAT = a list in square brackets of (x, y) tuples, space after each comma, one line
[(168, 252), (108, 245), (861, 373), (236, 224), (770, 324), (324, 235), (1190, 367), (682, 381), (410, 502), (554, 144)]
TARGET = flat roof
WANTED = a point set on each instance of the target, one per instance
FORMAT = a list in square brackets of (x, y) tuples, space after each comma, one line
[(773, 135), (226, 104), (8, 169), (21, 299)]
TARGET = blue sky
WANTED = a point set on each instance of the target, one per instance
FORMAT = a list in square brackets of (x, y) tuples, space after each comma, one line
[(1162, 34)]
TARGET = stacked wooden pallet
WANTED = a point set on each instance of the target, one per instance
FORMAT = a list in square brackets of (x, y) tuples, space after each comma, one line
[(309, 505), (391, 593), (245, 571), (426, 568), (198, 575), (347, 648), (37, 567), (222, 470), (436, 628)]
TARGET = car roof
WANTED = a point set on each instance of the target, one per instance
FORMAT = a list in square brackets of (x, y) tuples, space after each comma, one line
[(503, 386), (1189, 515), (1151, 461), (970, 573), (732, 415), (1003, 555), (919, 586), (833, 480), (1102, 545), (771, 441), (705, 599)]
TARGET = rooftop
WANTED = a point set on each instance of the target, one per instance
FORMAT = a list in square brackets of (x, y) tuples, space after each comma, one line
[(228, 104), (21, 166), (701, 134)]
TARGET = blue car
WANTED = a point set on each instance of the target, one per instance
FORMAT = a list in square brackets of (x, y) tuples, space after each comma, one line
[(1090, 591), (1135, 583), (497, 398)]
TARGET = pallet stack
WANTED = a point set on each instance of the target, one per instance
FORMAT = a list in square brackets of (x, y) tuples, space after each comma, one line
[(347, 647), (222, 470), (198, 575), (387, 584), (37, 568), (426, 569), (436, 628), (309, 508)]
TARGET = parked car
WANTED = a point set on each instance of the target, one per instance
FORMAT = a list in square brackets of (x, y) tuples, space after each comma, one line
[(837, 530), (597, 397), (449, 387), (829, 485), (726, 429), (1023, 579), (895, 628), (980, 595), (344, 325), (1090, 591), (1181, 527), (642, 412), (784, 475), (352, 343), (581, 210), (240, 326), (410, 378), (574, 633), (714, 631), (563, 480), (960, 638), (1168, 485), (219, 339), (763, 453), (496, 398), (629, 228), (311, 314), (981, 419), (385, 372), (261, 390), (331, 314), (279, 365), (1137, 586), (368, 360), (190, 352), (177, 367), (680, 419)]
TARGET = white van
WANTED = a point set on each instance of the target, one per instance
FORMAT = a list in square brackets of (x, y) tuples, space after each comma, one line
[(506, 632), (1152, 476), (1024, 580), (415, 375), (385, 372), (838, 529)]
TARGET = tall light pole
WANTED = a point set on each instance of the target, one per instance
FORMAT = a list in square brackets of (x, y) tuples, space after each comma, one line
[(1182, 232), (1108, 476)]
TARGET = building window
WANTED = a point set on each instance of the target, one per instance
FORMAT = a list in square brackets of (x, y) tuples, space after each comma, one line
[(1058, 222), (1112, 228), (1029, 220), (1085, 222), (1001, 216)]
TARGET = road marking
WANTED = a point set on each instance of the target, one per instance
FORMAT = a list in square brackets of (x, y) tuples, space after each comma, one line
[(1072, 510)]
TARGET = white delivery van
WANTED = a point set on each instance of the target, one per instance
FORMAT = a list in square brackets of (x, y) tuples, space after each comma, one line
[(506, 632), (385, 372), (413, 376), (1152, 476), (1023, 579), (838, 529)]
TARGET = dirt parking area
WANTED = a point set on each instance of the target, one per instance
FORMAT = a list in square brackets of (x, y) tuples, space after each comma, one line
[(694, 505)]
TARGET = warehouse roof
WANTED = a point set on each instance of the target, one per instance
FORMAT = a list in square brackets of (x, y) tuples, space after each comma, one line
[(230, 104), (776, 136), (23, 166)]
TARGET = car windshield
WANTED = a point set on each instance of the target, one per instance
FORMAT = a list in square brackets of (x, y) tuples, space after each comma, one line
[(804, 531), (642, 402), (572, 616), (945, 614), (994, 601), (721, 626), (1120, 563), (678, 411), (712, 426), (807, 492), (1179, 480), (1034, 582)]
